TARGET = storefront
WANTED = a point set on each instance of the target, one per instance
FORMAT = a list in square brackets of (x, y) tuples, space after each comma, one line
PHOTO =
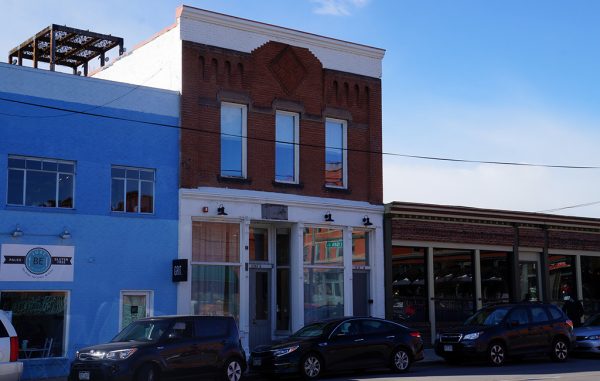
[(444, 263), (276, 262)]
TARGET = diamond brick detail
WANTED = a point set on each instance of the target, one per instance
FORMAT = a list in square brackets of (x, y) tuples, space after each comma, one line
[(288, 70)]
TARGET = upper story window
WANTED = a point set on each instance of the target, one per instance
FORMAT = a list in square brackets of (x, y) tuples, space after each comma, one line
[(233, 140), (286, 147), (45, 183), (335, 153), (132, 190)]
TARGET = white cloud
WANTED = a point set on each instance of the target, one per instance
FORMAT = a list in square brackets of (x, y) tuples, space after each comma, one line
[(338, 7)]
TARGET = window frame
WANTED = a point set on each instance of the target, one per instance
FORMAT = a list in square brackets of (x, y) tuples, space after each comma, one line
[(244, 138), (139, 198), (149, 294), (344, 148), (295, 144)]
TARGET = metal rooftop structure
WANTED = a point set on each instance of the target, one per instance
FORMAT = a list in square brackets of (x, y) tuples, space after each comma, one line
[(65, 46)]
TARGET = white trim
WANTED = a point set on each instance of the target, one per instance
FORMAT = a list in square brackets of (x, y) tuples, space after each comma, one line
[(295, 143), (149, 294), (244, 137)]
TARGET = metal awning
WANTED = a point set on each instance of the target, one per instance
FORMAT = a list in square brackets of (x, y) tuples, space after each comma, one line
[(65, 46)]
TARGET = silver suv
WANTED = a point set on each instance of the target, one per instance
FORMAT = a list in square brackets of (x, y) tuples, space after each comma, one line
[(10, 368)]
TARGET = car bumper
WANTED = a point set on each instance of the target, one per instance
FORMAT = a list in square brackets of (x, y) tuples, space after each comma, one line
[(274, 365), (11, 371), (460, 349), (587, 346), (100, 371)]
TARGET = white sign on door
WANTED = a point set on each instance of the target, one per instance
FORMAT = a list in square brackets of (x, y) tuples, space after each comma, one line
[(37, 263)]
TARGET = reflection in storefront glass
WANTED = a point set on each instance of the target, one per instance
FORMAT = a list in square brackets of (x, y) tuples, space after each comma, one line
[(323, 247), (562, 277), (39, 319), (408, 284), (590, 281), (216, 290), (494, 277), (323, 294)]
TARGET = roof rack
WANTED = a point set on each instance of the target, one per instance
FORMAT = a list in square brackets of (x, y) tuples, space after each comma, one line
[(65, 46)]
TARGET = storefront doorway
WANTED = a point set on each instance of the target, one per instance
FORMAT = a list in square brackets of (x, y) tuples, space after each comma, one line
[(260, 307), (529, 280)]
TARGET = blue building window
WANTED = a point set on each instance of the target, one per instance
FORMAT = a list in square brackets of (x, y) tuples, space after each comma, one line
[(132, 190), (233, 140), (45, 183)]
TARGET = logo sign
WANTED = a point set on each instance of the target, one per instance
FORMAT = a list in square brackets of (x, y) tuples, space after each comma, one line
[(179, 270), (39, 263), (335, 244)]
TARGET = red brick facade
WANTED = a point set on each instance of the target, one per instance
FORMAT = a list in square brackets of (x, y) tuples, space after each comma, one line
[(275, 77)]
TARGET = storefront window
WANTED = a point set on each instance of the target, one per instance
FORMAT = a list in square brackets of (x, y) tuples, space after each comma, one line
[(215, 242), (494, 277), (562, 277), (360, 273), (216, 290), (409, 293), (39, 319), (454, 286), (590, 275), (323, 274)]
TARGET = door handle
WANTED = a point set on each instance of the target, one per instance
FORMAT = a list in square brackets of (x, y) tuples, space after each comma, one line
[(390, 337), (357, 340)]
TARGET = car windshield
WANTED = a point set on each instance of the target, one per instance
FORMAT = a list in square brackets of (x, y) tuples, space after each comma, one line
[(488, 316), (311, 330), (150, 330), (592, 321)]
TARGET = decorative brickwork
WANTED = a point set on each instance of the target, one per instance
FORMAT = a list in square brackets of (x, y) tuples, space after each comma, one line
[(277, 76)]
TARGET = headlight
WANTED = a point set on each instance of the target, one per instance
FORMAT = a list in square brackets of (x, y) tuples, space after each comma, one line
[(121, 354), (594, 337), (284, 351), (472, 336)]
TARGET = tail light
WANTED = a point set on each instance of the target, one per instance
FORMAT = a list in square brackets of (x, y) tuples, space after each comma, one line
[(415, 334), (14, 348), (570, 323)]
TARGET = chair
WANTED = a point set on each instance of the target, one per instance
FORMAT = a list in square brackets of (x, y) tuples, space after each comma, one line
[(47, 350)]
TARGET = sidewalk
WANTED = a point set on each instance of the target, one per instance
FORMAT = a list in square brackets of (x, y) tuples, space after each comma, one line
[(430, 358)]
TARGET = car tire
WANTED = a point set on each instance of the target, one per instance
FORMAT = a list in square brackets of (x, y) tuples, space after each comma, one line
[(232, 370), (147, 372), (496, 354), (311, 366), (560, 350), (400, 360)]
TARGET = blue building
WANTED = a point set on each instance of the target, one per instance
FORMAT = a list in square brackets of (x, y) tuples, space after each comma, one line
[(88, 209)]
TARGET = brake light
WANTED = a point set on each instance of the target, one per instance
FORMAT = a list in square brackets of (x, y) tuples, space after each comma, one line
[(14, 348), (415, 334), (570, 323)]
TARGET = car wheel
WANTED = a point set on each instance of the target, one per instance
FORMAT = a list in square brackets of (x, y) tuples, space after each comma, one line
[(497, 354), (233, 370), (400, 361), (560, 350), (311, 366), (147, 373)]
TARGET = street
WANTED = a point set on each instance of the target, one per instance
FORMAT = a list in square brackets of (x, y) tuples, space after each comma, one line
[(576, 369)]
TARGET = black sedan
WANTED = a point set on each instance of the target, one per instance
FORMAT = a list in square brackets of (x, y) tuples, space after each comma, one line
[(340, 344)]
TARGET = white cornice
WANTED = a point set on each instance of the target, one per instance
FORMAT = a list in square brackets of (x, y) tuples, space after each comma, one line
[(279, 33)]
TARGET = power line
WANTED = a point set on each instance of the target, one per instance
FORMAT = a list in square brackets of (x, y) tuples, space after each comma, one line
[(87, 113), (569, 207)]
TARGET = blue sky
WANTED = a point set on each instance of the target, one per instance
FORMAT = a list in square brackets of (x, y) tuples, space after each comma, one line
[(486, 80)]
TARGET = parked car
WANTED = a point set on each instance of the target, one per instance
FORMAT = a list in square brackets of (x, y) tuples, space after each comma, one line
[(10, 368), (340, 344), (168, 347), (503, 330), (588, 336)]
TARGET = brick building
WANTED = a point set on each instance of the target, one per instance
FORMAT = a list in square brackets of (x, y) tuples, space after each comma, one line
[(281, 215), (444, 262)]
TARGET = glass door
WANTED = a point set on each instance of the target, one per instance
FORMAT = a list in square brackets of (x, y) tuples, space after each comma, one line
[(529, 280)]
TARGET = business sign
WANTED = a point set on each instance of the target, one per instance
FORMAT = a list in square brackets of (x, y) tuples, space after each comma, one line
[(179, 270), (37, 263)]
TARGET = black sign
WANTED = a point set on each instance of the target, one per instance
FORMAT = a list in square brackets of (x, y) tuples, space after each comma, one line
[(274, 212), (180, 270)]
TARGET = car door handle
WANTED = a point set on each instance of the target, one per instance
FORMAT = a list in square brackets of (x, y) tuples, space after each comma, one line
[(357, 340), (390, 337)]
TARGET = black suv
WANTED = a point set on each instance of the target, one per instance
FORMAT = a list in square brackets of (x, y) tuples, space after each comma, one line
[(495, 332), (165, 347)]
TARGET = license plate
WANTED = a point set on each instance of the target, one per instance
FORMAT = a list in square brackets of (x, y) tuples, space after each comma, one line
[(256, 362), (448, 348), (84, 375)]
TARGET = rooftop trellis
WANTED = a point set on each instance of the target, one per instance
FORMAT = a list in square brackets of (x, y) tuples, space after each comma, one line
[(65, 46)]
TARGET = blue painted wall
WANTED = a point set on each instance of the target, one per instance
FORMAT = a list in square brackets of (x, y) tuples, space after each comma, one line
[(113, 251)]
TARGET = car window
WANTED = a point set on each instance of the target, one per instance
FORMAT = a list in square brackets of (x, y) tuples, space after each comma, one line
[(181, 330), (519, 315), (211, 327), (369, 326), (555, 313), (488, 316), (348, 328), (311, 330), (539, 315), (141, 330)]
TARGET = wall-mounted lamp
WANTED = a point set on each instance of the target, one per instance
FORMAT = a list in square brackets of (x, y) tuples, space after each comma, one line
[(65, 234), (367, 221), (328, 217), (17, 232), (221, 210)]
